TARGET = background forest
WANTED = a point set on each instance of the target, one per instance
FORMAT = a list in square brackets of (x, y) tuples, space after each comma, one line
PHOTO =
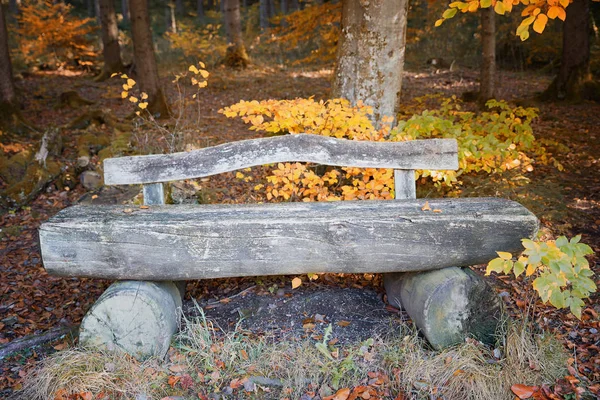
[(86, 80)]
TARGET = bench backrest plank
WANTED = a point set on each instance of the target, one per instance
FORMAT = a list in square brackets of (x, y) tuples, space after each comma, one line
[(434, 154)]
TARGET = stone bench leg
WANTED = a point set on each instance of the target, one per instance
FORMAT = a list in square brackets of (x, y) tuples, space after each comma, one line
[(447, 305), (136, 317)]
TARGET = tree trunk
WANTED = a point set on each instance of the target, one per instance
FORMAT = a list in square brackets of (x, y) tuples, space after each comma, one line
[(284, 7), (8, 98), (200, 11), (179, 7), (97, 11), (211, 4), (487, 78), (90, 7), (575, 59), (295, 5), (370, 55), (125, 10), (236, 56), (264, 14), (272, 10), (110, 39), (145, 60), (170, 20), (13, 6)]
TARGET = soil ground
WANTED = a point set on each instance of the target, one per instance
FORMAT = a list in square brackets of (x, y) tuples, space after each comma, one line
[(31, 302)]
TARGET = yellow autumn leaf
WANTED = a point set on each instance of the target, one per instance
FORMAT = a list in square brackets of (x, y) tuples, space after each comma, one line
[(203, 84), (124, 94), (499, 8), (126, 86), (540, 23), (239, 175), (201, 64), (564, 3), (133, 99), (143, 105), (530, 270), (193, 69), (439, 22), (194, 81), (296, 282), (144, 96), (131, 82), (124, 76), (508, 5), (504, 255), (113, 74), (204, 73)]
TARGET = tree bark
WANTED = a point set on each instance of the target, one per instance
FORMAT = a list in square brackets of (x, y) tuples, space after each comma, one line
[(575, 59), (295, 5), (170, 20), (264, 14), (13, 6), (8, 98), (145, 60), (110, 39), (125, 10), (236, 56), (200, 10), (487, 79), (284, 7), (370, 55), (179, 7)]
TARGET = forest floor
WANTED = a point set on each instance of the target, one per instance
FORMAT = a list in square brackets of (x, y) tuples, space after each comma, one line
[(567, 202)]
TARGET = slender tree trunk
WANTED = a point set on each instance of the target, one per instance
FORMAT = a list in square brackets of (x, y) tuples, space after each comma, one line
[(487, 85), (575, 59), (170, 20), (200, 10), (9, 109), (284, 7), (14, 6), (90, 7), (125, 10), (295, 5), (370, 55), (97, 11), (211, 4), (145, 60), (110, 39), (179, 7), (264, 14), (272, 9), (222, 5), (236, 51)]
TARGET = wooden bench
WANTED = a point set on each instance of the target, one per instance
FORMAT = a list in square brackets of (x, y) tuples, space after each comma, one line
[(153, 250)]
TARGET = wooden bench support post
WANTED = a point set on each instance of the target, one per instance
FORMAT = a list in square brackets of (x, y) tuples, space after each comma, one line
[(447, 305), (137, 317)]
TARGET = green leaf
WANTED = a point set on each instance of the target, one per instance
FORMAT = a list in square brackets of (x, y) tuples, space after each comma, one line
[(496, 265), (562, 241), (541, 285), (576, 239), (449, 13), (557, 298), (576, 307), (518, 268), (507, 266)]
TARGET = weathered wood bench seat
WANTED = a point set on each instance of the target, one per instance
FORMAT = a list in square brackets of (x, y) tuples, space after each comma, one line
[(151, 247)]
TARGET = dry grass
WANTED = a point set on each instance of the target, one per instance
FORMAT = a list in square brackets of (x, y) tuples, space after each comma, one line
[(292, 368)]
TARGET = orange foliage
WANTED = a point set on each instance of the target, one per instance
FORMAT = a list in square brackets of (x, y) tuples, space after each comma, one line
[(50, 34)]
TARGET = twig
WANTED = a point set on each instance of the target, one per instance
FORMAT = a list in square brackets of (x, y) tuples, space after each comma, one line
[(230, 297)]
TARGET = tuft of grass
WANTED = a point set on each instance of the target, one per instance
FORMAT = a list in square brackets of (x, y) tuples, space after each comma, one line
[(79, 370), (242, 365)]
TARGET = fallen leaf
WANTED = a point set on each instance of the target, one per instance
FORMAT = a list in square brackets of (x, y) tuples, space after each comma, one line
[(343, 323), (128, 210), (173, 380), (144, 207), (523, 391), (437, 210), (60, 346), (426, 207), (341, 394), (296, 282), (177, 368)]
